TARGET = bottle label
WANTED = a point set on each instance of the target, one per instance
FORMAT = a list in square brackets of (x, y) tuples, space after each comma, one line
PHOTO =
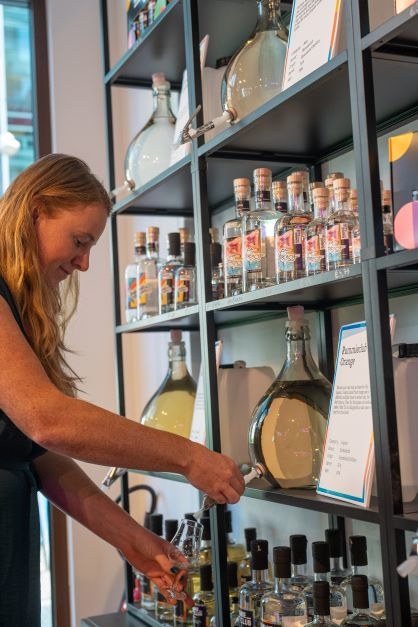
[(277, 620), (199, 614), (315, 253), (285, 253), (262, 197), (252, 260), (166, 290), (143, 289), (356, 248), (233, 256), (183, 291), (246, 618), (242, 205), (281, 206), (131, 294), (338, 242), (298, 243)]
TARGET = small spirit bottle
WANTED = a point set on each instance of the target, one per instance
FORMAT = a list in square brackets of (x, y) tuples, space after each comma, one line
[(251, 593), (232, 238), (258, 236), (300, 578), (290, 234), (355, 236), (166, 300), (235, 550), (358, 555), (314, 185), (387, 218), (132, 278), (185, 279), (244, 567), (329, 184), (315, 233), (204, 607), (304, 175), (334, 537), (284, 602), (279, 191), (339, 228), (287, 430), (361, 616), (148, 276), (321, 568), (233, 595), (321, 609), (171, 407), (217, 274)]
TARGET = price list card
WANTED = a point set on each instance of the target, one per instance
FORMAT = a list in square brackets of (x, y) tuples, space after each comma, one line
[(348, 461)]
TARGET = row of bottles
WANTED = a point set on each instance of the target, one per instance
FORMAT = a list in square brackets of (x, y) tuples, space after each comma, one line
[(154, 286), (297, 228)]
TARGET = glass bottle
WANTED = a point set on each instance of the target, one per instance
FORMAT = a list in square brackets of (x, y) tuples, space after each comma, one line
[(279, 192), (361, 616), (355, 236), (184, 237), (258, 236), (131, 279), (387, 218), (244, 567), (255, 73), (304, 175), (232, 238), (148, 276), (171, 407), (185, 279), (314, 185), (339, 228), (149, 152), (217, 272), (205, 555), (321, 609), (359, 562), (287, 429), (321, 569), (251, 593), (235, 550), (283, 602), (166, 275), (290, 234), (334, 538), (315, 233), (299, 562), (329, 184), (233, 592), (204, 607)]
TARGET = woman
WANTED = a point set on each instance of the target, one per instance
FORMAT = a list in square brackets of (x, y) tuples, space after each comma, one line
[(50, 217)]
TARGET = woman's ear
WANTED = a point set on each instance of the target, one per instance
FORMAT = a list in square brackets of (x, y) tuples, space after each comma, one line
[(35, 215)]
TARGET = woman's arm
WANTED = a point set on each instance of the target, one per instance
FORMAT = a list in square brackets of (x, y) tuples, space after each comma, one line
[(89, 433), (64, 483)]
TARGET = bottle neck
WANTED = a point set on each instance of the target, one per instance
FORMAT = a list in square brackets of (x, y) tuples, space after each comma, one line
[(268, 15), (322, 619), (258, 576), (296, 202), (161, 103), (152, 250), (281, 583), (140, 251), (242, 204), (322, 577), (177, 361), (336, 563), (342, 206), (358, 570), (299, 570), (320, 211), (299, 364)]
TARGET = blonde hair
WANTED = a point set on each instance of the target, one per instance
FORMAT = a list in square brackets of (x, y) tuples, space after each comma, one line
[(53, 183)]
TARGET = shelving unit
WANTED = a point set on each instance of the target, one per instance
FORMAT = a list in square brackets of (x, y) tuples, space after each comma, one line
[(367, 90)]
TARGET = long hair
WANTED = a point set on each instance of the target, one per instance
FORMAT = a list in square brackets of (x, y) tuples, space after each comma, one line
[(53, 183)]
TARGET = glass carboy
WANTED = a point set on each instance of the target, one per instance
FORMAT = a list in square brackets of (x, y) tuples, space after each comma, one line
[(149, 152), (288, 425)]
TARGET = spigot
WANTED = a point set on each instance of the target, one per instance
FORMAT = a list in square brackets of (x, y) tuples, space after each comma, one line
[(410, 565), (111, 476), (127, 186), (189, 133)]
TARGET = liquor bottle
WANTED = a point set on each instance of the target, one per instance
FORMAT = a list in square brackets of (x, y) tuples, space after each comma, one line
[(387, 218), (287, 428), (283, 602), (184, 237), (279, 193), (244, 567), (339, 228), (358, 555), (171, 407), (185, 279), (217, 272), (205, 554), (304, 175), (232, 238), (233, 592), (251, 593), (314, 185), (258, 236), (315, 233), (204, 607), (235, 550), (132, 278), (334, 538), (299, 562), (355, 236), (361, 616), (166, 300), (321, 569), (290, 234), (321, 609), (170, 528), (149, 152), (329, 184), (148, 276)]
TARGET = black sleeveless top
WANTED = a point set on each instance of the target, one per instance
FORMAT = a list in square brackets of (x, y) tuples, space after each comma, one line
[(15, 446)]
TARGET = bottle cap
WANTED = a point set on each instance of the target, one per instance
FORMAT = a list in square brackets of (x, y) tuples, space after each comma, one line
[(320, 192), (353, 193), (358, 550), (279, 184), (295, 316), (238, 183), (170, 528), (205, 522), (156, 524), (232, 573), (184, 234), (295, 177), (259, 554), (334, 539), (139, 238), (335, 175), (158, 78), (153, 233), (250, 534), (174, 244), (281, 562), (298, 544), (175, 338), (316, 185), (263, 173), (320, 555), (205, 572), (214, 234), (341, 184), (386, 197), (189, 254), (321, 598), (360, 585)]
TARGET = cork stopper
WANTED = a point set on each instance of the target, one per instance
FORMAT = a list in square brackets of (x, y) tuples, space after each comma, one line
[(353, 193), (214, 234), (175, 336), (320, 197), (159, 80), (316, 185), (387, 197), (184, 234), (295, 313), (262, 177), (341, 189), (153, 233), (242, 189), (139, 238)]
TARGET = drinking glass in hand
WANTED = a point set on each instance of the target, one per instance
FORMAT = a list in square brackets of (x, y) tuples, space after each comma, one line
[(186, 544)]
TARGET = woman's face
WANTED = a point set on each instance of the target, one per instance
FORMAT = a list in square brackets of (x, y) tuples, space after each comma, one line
[(65, 240)]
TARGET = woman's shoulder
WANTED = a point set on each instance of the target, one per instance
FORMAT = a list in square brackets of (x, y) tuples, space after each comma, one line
[(8, 297)]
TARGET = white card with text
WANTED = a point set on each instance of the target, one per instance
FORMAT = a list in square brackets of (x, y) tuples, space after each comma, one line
[(348, 461)]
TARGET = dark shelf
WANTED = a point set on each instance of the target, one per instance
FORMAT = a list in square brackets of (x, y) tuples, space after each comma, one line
[(398, 259), (161, 49), (169, 194), (186, 319), (309, 499), (407, 522), (144, 617), (111, 620), (400, 32)]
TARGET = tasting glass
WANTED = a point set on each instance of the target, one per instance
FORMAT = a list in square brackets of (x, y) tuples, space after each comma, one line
[(186, 542)]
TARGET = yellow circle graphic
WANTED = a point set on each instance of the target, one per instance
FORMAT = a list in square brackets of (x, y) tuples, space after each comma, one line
[(398, 145)]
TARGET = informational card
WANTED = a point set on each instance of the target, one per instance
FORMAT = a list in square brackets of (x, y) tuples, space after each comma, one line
[(313, 34), (348, 461)]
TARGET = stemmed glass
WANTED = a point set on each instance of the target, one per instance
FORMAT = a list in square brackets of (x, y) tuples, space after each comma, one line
[(186, 543)]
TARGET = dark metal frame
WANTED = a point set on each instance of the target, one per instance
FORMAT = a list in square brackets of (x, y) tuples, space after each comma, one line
[(374, 268)]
